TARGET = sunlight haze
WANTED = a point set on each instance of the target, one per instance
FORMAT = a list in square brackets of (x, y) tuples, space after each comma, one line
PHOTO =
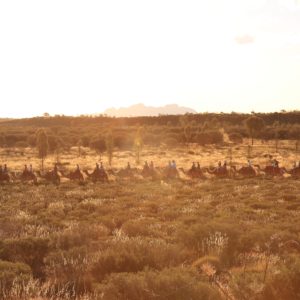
[(82, 57)]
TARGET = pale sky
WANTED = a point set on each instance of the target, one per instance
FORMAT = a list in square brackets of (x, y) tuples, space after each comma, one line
[(78, 57)]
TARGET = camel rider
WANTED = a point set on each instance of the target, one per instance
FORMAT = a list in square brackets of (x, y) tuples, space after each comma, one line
[(219, 165), (55, 169), (174, 166), (225, 165), (25, 172), (30, 169), (151, 165), (193, 166), (97, 167), (198, 166), (170, 165), (146, 166), (5, 170), (128, 166), (77, 169), (249, 163)]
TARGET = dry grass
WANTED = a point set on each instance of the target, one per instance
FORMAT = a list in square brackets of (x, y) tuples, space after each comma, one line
[(132, 239)]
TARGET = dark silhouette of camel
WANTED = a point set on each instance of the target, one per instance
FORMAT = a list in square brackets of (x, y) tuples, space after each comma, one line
[(194, 173), (73, 175), (219, 172), (5, 177), (273, 170), (97, 175), (28, 176), (248, 171), (50, 176)]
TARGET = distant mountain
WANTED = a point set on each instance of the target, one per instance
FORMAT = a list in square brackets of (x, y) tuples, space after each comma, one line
[(139, 110)]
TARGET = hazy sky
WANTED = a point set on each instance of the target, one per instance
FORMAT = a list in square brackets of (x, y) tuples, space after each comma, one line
[(76, 57)]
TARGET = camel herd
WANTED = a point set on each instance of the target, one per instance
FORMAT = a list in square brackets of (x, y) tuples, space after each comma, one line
[(99, 174)]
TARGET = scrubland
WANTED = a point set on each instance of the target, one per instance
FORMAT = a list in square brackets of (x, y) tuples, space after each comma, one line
[(143, 239)]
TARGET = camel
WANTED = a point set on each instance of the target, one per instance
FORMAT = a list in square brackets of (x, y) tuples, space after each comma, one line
[(50, 176), (150, 173), (248, 171), (5, 177), (74, 176), (194, 173), (170, 173), (128, 173), (219, 172), (295, 172), (28, 176), (273, 171), (97, 175)]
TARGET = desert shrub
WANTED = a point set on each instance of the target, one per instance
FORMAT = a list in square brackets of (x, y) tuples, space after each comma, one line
[(212, 239), (236, 138), (209, 137), (31, 140), (21, 144), (30, 251), (98, 144), (80, 234), (212, 260), (134, 255), (12, 273), (285, 283), (171, 142), (85, 140), (170, 284), (123, 141), (152, 139), (134, 228), (70, 268), (12, 138)]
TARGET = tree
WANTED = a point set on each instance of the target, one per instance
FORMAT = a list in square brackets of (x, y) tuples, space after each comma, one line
[(79, 145), (254, 125), (42, 145), (57, 147), (138, 144), (109, 141), (98, 144)]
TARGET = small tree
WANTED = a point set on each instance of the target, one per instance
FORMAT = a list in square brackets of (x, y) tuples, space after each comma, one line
[(254, 125), (42, 145), (249, 152), (138, 144), (57, 147), (79, 145), (109, 141), (98, 144)]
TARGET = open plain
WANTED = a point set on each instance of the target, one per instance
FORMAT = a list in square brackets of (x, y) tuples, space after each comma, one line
[(141, 238)]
